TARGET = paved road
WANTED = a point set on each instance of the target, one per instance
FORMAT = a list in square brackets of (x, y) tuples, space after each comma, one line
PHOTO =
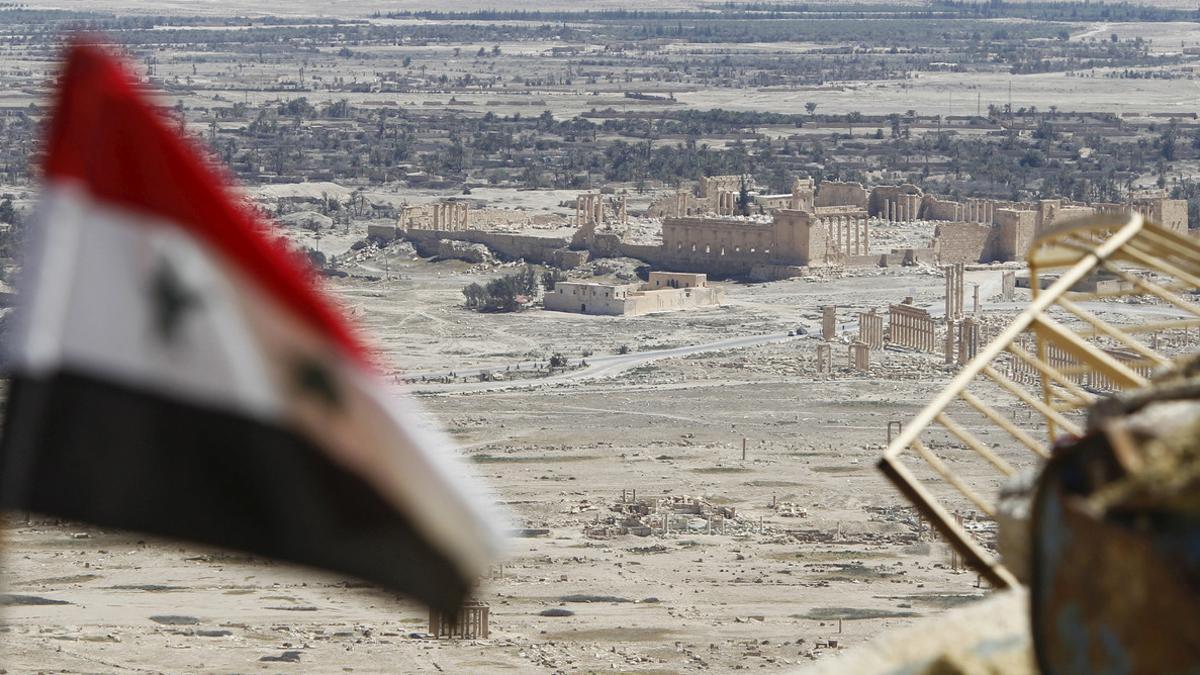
[(597, 366)]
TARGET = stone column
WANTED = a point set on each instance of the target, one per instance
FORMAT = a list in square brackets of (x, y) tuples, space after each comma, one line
[(828, 322), (949, 346)]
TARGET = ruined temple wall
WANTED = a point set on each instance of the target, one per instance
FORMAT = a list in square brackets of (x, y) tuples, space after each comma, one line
[(834, 193), (718, 237), (860, 261), (711, 186), (651, 253), (817, 248), (790, 231), (933, 208), (1063, 214), (676, 205), (961, 242), (1013, 232), (511, 246), (895, 202), (1171, 214)]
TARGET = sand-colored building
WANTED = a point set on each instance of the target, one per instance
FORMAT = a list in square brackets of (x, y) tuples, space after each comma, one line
[(663, 292), (821, 237)]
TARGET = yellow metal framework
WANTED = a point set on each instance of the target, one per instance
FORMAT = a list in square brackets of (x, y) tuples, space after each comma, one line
[(1047, 367)]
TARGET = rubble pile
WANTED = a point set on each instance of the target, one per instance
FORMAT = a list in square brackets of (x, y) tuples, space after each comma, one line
[(664, 515)]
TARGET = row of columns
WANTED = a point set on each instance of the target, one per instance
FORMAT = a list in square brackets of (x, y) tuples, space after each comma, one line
[(852, 234), (978, 211), (911, 327), (902, 208), (449, 216), (726, 203), (589, 208), (681, 204), (870, 329)]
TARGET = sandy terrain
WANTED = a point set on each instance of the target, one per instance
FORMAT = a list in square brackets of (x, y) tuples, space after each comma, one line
[(768, 593)]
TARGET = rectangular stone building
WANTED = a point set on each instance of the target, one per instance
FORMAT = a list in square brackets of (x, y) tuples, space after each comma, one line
[(664, 292)]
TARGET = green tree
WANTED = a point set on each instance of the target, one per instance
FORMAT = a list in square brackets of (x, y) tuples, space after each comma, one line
[(8, 214), (743, 198)]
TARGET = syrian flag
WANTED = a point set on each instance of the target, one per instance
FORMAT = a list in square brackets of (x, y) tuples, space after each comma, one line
[(176, 371)]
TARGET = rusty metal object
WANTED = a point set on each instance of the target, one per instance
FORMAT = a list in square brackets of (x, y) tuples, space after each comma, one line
[(1116, 547)]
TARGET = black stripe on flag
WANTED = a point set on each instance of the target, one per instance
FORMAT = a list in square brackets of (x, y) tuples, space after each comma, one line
[(93, 450)]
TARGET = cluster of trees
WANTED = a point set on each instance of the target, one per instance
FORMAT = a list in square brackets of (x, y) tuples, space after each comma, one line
[(12, 232), (645, 148), (503, 294)]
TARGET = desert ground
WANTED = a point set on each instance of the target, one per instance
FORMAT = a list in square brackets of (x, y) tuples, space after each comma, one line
[(788, 546), (840, 558)]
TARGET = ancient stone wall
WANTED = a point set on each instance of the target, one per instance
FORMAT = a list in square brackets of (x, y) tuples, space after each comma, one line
[(961, 242), (934, 208), (900, 203), (727, 246), (508, 246), (711, 186), (1013, 233), (834, 193), (803, 194), (1171, 214), (676, 205)]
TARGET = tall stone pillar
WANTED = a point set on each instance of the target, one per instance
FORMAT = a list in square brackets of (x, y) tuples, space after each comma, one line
[(950, 355)]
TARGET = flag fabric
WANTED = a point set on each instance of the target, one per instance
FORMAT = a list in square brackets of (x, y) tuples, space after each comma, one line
[(175, 370)]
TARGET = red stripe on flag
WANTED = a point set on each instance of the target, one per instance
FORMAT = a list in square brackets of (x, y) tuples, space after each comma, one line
[(107, 135)]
